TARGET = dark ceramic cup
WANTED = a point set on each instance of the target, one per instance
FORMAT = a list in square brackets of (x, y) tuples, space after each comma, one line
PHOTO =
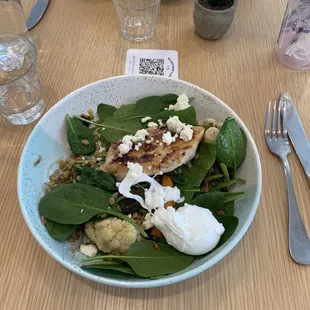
[(213, 24)]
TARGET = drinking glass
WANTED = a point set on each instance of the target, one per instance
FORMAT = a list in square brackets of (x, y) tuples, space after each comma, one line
[(20, 85), (293, 45), (12, 18), (137, 18)]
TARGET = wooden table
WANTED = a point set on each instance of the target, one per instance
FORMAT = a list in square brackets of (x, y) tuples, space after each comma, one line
[(79, 42)]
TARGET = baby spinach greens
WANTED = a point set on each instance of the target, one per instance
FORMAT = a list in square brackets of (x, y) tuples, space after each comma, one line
[(80, 137), (58, 231), (148, 260), (105, 110), (215, 201), (230, 223), (187, 116), (77, 203), (231, 144), (116, 127), (190, 179), (126, 110), (96, 177), (109, 266), (116, 123), (150, 106)]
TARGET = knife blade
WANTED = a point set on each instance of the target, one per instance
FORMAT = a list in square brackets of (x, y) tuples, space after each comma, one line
[(37, 12), (297, 133)]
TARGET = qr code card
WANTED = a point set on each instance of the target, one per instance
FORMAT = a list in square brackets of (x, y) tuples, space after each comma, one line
[(154, 62)]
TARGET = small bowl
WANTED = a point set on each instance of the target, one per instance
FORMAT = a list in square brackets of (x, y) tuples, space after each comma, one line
[(48, 139)]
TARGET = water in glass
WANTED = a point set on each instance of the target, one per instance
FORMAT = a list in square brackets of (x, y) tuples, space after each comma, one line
[(20, 86), (137, 18)]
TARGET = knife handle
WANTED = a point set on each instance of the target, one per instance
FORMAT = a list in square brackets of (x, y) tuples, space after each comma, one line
[(299, 243)]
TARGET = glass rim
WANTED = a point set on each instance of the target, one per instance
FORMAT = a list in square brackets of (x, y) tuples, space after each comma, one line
[(32, 63), (117, 2)]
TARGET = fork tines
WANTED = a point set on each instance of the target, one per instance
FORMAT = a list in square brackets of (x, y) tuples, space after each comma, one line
[(278, 123)]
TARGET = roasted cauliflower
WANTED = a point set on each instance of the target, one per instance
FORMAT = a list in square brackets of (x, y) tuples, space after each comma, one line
[(112, 235)]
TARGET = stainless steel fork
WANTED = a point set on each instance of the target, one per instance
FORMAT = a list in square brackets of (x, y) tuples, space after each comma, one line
[(278, 143)]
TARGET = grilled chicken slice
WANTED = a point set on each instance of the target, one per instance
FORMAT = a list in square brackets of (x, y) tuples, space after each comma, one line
[(155, 156)]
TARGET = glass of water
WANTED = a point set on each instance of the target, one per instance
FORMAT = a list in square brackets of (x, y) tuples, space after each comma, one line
[(137, 18), (12, 18), (20, 85)]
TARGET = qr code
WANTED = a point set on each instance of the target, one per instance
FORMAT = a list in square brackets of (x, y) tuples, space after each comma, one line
[(151, 66)]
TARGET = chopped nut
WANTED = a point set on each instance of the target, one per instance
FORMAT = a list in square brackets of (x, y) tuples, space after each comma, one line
[(70, 239), (156, 246), (85, 142), (111, 201), (43, 220), (38, 160)]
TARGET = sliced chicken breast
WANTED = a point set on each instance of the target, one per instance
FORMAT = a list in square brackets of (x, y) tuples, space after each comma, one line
[(155, 156)]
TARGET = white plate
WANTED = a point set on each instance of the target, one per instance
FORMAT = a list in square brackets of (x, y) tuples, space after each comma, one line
[(48, 139)]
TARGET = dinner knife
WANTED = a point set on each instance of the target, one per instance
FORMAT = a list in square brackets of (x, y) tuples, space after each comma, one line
[(297, 133), (37, 12)]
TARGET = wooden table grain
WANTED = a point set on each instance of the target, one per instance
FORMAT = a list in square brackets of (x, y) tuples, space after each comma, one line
[(79, 42)]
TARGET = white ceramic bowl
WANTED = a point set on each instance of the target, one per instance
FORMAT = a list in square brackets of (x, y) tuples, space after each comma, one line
[(48, 139)]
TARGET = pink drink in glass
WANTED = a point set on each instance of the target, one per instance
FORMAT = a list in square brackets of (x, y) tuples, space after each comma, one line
[(293, 45)]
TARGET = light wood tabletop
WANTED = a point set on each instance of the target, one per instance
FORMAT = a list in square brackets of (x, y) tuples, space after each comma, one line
[(79, 42)]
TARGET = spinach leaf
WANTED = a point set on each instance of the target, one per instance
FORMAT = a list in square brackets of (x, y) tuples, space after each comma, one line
[(58, 231), (117, 127), (231, 144), (170, 98), (126, 110), (80, 137), (104, 142), (229, 208), (109, 266), (230, 224), (191, 178), (77, 203), (187, 116), (153, 105), (105, 110), (96, 177), (146, 261), (225, 172), (215, 201)]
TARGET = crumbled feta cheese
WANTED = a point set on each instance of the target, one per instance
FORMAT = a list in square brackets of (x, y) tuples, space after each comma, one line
[(182, 103), (167, 138), (147, 223), (187, 133), (140, 135), (160, 122), (89, 250), (174, 124), (145, 119), (137, 148), (128, 140), (152, 125), (148, 141), (160, 144), (149, 167), (157, 141), (126, 145)]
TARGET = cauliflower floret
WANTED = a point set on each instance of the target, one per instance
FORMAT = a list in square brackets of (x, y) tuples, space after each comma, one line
[(112, 235)]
